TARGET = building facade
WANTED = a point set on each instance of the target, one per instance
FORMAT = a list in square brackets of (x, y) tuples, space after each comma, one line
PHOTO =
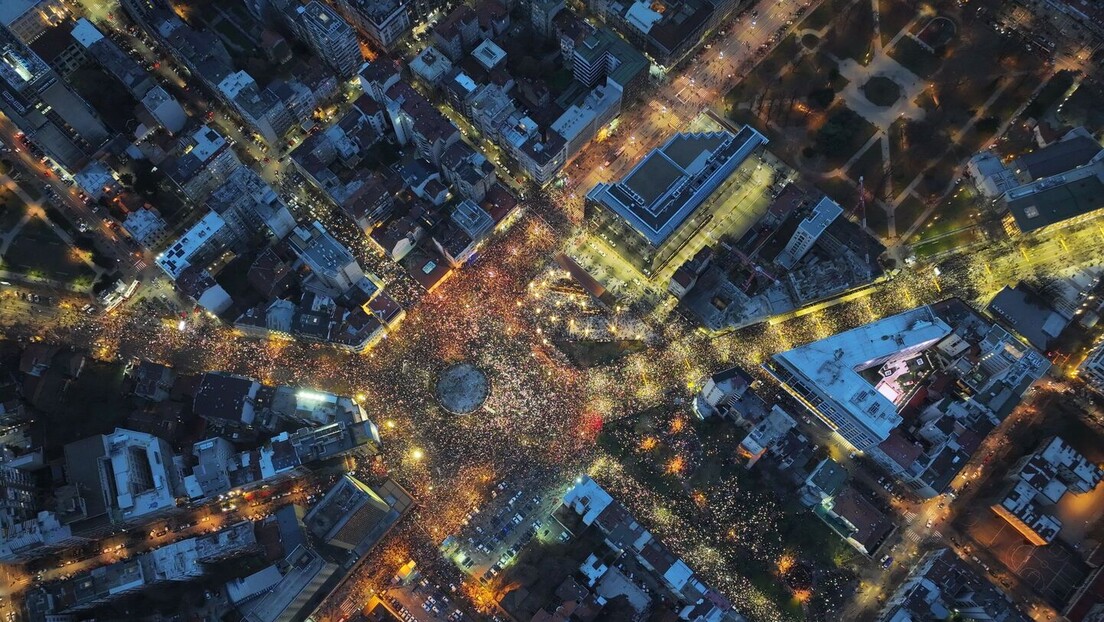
[(656, 209)]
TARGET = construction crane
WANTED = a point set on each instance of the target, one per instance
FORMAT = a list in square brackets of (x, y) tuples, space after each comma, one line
[(860, 208), (862, 213), (755, 269)]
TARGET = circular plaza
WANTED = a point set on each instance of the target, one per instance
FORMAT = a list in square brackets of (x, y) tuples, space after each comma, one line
[(462, 388)]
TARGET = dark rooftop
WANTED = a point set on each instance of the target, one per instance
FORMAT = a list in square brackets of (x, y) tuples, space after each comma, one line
[(1060, 202)]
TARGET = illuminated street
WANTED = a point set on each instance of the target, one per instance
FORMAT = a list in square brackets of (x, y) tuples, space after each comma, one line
[(545, 415)]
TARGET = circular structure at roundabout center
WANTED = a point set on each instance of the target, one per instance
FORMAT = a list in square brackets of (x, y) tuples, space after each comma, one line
[(462, 388)]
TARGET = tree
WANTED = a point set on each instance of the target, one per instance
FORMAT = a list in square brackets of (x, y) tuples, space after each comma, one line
[(145, 181), (617, 609), (528, 67), (822, 98), (987, 125), (835, 137)]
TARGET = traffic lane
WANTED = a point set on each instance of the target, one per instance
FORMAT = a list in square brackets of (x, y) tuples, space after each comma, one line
[(777, 15), (122, 547), (61, 194)]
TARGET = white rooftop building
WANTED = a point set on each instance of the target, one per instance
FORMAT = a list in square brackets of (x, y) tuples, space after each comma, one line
[(1039, 481), (334, 270), (488, 54), (313, 406), (825, 374), (808, 232), (164, 109), (1092, 368), (579, 123), (197, 241), (140, 474), (764, 435), (430, 65), (249, 205), (244, 588), (95, 179)]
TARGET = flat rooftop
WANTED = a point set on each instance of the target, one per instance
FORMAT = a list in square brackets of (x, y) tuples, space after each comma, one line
[(664, 188), (11, 10), (319, 247), (833, 364), (1052, 200)]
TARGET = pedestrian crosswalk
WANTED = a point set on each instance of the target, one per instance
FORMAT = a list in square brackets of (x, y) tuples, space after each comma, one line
[(909, 515), (140, 265), (349, 606), (917, 537)]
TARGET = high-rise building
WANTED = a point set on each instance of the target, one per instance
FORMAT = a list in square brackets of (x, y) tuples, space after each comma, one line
[(333, 268), (28, 19), (261, 109), (197, 246), (383, 21), (942, 585), (828, 374), (330, 36), (602, 54), (17, 495), (352, 516), (126, 475), (249, 205), (915, 389), (808, 232)]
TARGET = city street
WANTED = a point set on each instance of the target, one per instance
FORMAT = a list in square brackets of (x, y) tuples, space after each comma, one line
[(544, 416)]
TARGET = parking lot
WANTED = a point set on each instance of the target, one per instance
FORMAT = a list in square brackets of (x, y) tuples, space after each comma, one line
[(492, 536), (422, 601)]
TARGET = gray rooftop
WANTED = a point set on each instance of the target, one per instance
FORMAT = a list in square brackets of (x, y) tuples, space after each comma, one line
[(1028, 315), (11, 10), (1060, 157), (671, 182), (1053, 200)]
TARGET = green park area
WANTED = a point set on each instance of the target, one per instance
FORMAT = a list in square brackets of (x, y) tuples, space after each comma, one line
[(38, 252), (930, 83), (12, 210), (694, 472)]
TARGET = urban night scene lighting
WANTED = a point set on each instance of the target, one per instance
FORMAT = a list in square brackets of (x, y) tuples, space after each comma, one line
[(547, 311)]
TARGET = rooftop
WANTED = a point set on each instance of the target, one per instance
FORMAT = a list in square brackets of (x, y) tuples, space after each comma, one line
[(488, 54), (288, 600), (177, 257), (1029, 315), (316, 246), (664, 188), (1060, 157), (1054, 199), (352, 515), (833, 364), (226, 396), (11, 10)]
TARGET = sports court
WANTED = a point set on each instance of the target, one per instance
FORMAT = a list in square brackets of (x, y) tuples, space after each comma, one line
[(1054, 571)]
